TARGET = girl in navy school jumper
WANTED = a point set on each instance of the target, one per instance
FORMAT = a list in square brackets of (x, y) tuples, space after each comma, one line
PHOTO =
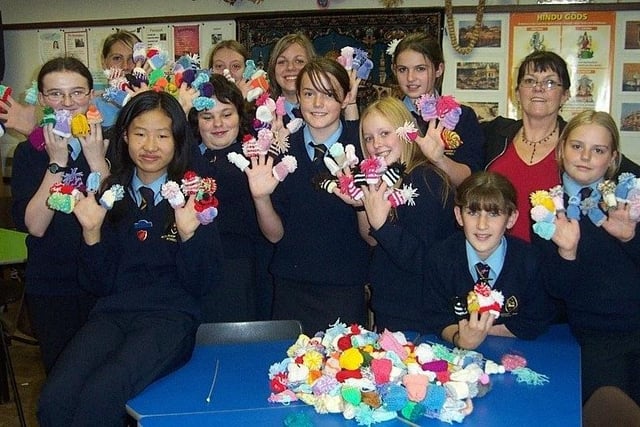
[(320, 262), (418, 65), (58, 306), (485, 207), (150, 268), (598, 267), (401, 236), (219, 131)]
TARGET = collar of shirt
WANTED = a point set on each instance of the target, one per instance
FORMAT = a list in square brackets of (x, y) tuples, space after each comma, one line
[(288, 108), (76, 148), (333, 138), (495, 261), (202, 148), (156, 186), (572, 188)]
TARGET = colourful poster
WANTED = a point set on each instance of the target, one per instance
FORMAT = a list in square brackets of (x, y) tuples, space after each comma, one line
[(186, 40), (584, 39)]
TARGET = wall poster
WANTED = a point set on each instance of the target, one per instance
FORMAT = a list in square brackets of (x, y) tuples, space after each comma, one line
[(584, 39)]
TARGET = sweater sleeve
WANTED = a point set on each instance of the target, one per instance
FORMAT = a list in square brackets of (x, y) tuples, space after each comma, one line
[(471, 152), (98, 264), (199, 261), (407, 240), (439, 289), (27, 173)]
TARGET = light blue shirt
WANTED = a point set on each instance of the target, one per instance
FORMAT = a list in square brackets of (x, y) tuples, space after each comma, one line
[(572, 188), (495, 261), (333, 138), (156, 186), (288, 108)]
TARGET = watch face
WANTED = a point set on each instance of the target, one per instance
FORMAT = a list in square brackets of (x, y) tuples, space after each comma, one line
[(55, 168)]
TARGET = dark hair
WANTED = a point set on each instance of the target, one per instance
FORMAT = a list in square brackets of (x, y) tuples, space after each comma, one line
[(227, 93), (281, 45), (425, 45), (543, 60), (64, 63), (233, 45), (487, 191), (123, 165), (124, 36), (319, 67)]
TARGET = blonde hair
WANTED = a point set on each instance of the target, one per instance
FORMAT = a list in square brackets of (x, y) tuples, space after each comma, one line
[(124, 36), (589, 117), (397, 114)]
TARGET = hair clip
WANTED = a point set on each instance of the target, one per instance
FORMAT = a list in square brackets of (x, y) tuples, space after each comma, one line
[(391, 47)]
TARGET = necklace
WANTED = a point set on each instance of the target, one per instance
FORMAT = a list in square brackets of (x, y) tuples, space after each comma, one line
[(534, 144)]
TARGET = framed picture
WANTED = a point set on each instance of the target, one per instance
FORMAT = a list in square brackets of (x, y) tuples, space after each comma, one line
[(371, 31), (477, 75), (490, 34)]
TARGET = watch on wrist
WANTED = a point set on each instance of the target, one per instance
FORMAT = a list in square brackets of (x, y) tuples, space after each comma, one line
[(55, 168)]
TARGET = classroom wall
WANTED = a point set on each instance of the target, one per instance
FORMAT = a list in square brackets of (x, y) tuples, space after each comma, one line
[(23, 58)]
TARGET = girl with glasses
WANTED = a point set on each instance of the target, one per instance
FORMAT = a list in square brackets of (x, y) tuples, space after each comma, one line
[(57, 304)]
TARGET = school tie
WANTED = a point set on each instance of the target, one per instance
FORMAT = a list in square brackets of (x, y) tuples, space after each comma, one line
[(296, 113), (483, 272), (147, 197), (585, 193), (318, 151), (421, 124)]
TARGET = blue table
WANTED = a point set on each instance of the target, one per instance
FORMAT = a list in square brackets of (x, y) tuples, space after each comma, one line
[(239, 396)]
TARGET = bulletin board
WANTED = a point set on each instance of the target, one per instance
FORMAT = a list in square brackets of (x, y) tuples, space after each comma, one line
[(584, 39), (175, 39)]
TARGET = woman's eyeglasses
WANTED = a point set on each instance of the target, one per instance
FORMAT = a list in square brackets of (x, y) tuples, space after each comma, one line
[(549, 84), (57, 96)]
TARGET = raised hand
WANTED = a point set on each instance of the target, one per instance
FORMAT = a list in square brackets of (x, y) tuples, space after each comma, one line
[(21, 118), (566, 236), (56, 146), (431, 143), (619, 223), (186, 220), (474, 330), (376, 204), (262, 183), (93, 146), (90, 215)]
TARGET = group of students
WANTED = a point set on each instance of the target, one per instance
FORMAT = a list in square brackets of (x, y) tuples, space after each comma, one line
[(114, 311)]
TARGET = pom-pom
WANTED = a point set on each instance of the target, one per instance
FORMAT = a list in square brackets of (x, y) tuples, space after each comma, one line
[(112, 195), (190, 183), (36, 139), (239, 160), (93, 182), (391, 46), (287, 165), (171, 191), (202, 103), (79, 125), (63, 123), (408, 132), (93, 115), (31, 94)]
